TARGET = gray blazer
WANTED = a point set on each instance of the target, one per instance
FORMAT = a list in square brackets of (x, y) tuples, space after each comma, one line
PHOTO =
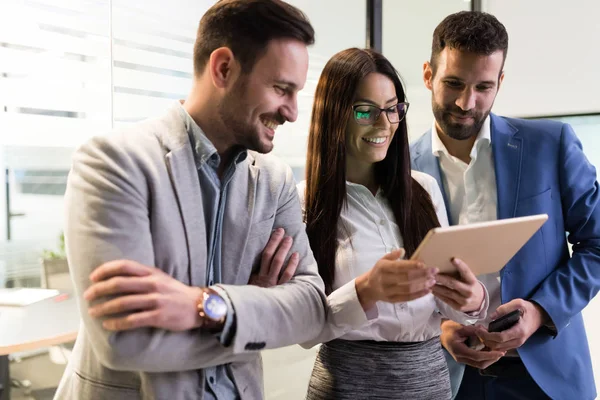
[(135, 194)]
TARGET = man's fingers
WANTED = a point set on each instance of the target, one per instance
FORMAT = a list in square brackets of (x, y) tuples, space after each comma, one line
[(119, 285), (515, 304), (509, 345), (503, 341), (477, 364), (279, 258), (464, 352), (125, 304), (465, 331), (270, 249), (120, 268), (290, 269), (133, 321), (498, 337)]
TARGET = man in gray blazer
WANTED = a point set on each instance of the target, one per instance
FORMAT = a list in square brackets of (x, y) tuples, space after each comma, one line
[(167, 220)]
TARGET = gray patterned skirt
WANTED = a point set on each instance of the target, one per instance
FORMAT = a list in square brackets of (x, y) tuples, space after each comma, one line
[(367, 369)]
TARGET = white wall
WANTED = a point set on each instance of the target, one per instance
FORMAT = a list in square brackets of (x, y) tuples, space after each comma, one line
[(552, 69), (552, 62), (553, 58), (338, 24), (407, 32)]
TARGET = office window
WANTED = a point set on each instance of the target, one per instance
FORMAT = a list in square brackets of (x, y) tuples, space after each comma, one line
[(338, 24), (54, 94), (71, 70), (152, 55)]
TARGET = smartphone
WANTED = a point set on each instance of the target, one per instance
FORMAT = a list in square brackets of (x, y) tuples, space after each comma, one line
[(505, 322)]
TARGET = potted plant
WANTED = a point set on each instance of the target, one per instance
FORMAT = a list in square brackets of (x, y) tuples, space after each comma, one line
[(55, 269)]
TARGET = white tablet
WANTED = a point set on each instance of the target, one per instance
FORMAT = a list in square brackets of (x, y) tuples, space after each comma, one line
[(485, 246)]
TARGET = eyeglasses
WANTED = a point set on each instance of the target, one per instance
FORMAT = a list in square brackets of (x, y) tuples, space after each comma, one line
[(368, 115)]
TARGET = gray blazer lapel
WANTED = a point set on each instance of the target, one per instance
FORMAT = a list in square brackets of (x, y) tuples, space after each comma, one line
[(507, 148), (184, 176), (237, 219)]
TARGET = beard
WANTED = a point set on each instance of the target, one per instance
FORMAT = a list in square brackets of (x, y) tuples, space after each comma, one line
[(456, 130), (235, 111)]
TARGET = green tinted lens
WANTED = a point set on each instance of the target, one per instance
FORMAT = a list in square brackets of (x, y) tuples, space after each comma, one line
[(363, 114)]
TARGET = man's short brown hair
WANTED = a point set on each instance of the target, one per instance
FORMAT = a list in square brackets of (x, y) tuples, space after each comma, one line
[(472, 31), (246, 27)]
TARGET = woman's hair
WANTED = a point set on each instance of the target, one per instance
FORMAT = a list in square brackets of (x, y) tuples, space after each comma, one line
[(326, 161)]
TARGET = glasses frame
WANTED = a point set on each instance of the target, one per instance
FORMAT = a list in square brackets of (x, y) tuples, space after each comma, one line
[(379, 111)]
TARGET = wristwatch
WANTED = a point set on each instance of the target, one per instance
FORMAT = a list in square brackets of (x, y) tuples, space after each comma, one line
[(212, 309)]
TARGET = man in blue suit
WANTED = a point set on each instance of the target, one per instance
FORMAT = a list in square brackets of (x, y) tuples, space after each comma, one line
[(491, 167)]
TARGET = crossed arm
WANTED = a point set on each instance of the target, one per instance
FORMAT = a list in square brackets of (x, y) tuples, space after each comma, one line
[(153, 325)]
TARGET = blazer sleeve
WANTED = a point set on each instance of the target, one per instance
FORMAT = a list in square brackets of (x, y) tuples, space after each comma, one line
[(572, 285), (107, 218), (344, 314), (284, 314)]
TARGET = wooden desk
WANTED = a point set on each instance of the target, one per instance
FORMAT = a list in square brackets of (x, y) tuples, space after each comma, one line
[(42, 324)]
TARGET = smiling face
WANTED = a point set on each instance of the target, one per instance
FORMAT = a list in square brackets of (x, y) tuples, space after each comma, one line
[(368, 144), (463, 89), (266, 97)]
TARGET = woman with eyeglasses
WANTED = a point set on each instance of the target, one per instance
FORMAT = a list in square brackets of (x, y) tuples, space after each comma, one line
[(366, 213)]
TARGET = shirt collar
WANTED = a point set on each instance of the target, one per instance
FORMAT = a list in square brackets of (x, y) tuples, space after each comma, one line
[(484, 138), (204, 150)]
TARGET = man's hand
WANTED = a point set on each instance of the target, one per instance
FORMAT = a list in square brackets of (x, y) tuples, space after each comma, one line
[(146, 295), (394, 280), (453, 338), (531, 320), (272, 260), (463, 293)]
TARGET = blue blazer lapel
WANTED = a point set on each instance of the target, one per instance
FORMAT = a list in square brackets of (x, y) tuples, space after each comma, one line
[(423, 160), (507, 149)]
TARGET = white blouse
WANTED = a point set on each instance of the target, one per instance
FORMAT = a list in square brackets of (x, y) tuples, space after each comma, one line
[(367, 232)]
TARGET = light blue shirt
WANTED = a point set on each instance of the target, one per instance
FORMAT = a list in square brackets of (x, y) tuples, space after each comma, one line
[(219, 384)]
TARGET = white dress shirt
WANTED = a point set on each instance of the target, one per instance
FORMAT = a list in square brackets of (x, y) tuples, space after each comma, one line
[(471, 191), (367, 231)]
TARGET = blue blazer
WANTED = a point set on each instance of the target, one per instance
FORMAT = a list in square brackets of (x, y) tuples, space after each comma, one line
[(540, 168)]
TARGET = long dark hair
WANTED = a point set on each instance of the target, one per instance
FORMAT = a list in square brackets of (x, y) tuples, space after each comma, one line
[(326, 161)]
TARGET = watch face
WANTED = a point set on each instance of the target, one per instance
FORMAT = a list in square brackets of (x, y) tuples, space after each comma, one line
[(215, 307)]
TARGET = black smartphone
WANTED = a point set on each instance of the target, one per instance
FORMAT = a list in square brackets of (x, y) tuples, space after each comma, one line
[(504, 322)]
